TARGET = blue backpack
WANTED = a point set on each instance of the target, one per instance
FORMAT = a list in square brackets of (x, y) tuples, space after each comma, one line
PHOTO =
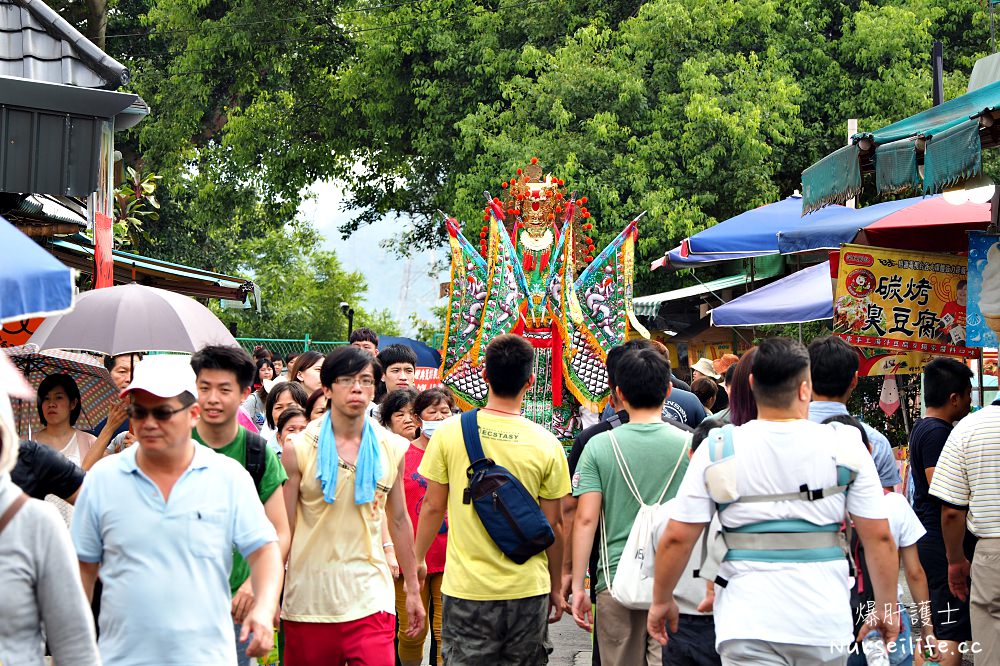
[(507, 510)]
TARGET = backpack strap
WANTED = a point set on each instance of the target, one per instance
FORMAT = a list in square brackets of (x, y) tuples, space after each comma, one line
[(14, 507), (470, 433), (256, 458), (474, 449)]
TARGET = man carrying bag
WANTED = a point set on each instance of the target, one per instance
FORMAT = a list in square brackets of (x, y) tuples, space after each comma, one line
[(496, 598)]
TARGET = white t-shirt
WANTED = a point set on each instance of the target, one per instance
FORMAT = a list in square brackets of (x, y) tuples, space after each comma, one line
[(690, 589), (904, 525), (802, 603)]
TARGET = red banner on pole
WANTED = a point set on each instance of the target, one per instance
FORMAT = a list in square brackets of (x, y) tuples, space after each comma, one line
[(104, 263)]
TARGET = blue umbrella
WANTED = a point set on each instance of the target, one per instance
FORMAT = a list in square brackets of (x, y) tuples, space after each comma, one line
[(33, 283), (755, 232), (427, 357), (806, 295), (830, 232)]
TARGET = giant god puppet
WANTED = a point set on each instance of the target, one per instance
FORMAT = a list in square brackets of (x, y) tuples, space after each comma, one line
[(535, 272)]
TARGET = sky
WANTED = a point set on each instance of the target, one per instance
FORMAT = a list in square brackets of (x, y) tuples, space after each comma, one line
[(384, 271)]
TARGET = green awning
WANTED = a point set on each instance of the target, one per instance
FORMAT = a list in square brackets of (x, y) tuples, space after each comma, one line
[(833, 180), (947, 130), (764, 268), (940, 117), (952, 156), (896, 167), (78, 252)]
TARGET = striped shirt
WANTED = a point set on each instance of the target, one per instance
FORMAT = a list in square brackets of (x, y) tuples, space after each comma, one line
[(968, 471)]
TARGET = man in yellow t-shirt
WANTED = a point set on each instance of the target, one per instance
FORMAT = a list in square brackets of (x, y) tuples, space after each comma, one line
[(494, 611)]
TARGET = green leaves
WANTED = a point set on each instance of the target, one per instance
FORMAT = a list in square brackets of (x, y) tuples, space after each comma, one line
[(695, 110)]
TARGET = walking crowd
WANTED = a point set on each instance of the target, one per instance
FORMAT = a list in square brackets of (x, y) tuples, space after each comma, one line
[(320, 510)]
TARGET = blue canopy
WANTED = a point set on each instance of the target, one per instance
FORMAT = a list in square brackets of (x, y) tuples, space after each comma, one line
[(33, 283), (800, 297), (838, 229), (427, 357), (755, 232)]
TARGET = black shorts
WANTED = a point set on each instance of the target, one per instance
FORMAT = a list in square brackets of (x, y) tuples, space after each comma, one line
[(512, 632), (949, 614)]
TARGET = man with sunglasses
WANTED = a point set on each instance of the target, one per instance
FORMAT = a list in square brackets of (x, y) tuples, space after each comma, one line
[(160, 521)]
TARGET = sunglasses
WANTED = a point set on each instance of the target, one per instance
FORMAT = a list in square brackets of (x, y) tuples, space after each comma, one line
[(140, 413)]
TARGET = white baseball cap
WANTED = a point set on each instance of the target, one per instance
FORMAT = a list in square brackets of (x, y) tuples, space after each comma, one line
[(165, 376)]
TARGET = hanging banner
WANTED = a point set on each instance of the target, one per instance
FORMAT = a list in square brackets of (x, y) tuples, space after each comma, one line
[(17, 333), (875, 362), (984, 289), (901, 301)]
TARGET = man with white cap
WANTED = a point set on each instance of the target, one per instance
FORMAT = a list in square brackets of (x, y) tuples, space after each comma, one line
[(161, 520)]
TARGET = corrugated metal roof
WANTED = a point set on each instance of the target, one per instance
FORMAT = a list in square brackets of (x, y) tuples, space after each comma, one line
[(36, 43), (78, 252)]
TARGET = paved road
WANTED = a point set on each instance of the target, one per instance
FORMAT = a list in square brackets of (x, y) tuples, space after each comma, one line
[(572, 644)]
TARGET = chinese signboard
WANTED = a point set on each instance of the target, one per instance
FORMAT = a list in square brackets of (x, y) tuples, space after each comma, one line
[(901, 301), (984, 289), (426, 378)]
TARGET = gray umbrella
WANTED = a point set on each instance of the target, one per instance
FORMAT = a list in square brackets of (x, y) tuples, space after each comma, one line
[(133, 318)]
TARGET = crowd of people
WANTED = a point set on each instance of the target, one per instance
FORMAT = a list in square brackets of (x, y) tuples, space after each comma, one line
[(322, 510)]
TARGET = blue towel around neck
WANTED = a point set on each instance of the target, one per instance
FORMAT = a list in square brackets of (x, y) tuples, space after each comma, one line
[(368, 468)]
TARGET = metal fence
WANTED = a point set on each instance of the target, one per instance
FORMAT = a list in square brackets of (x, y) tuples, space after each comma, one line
[(286, 346)]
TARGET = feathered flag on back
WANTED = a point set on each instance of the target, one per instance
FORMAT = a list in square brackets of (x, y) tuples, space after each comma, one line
[(460, 369)]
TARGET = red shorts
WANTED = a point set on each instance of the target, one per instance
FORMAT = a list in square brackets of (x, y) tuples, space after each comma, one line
[(364, 642)]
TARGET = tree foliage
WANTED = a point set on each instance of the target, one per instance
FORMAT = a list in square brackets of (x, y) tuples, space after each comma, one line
[(303, 288), (694, 110)]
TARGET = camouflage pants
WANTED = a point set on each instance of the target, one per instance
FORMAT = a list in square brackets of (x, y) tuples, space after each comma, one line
[(501, 633)]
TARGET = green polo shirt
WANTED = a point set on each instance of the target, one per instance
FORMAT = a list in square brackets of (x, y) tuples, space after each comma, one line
[(274, 477)]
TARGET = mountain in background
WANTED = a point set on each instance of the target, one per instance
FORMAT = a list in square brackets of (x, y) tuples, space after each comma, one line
[(400, 284)]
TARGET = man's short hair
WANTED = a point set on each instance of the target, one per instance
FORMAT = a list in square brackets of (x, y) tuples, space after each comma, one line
[(396, 354), (363, 334), (779, 367), (643, 378), (833, 365), (347, 361), (222, 357), (615, 354), (109, 361), (942, 377), (509, 359)]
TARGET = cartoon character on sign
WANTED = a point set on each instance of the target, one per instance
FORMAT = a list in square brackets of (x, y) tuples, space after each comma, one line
[(524, 279), (953, 316)]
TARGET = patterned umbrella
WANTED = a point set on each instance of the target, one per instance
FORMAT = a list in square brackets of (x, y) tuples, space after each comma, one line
[(97, 391)]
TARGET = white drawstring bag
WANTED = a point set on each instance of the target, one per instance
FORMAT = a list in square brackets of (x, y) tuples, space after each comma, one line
[(632, 586)]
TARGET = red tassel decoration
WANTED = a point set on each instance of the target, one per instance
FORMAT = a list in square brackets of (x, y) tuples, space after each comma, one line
[(545, 261), (529, 263)]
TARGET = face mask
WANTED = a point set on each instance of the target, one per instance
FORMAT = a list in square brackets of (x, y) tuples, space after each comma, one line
[(429, 427)]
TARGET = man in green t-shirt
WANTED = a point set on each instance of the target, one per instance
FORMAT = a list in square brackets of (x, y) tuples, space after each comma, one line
[(655, 456), (224, 375)]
